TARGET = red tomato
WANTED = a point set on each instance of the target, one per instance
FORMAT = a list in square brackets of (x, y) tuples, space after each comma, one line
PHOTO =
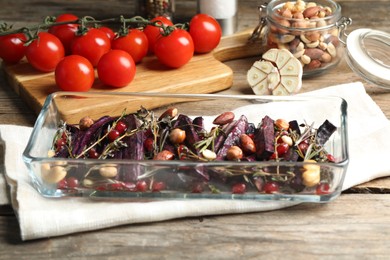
[(116, 68), (110, 33), (92, 45), (12, 47), (154, 32), (65, 32), (45, 52), (205, 32), (135, 43), (74, 73), (176, 49)]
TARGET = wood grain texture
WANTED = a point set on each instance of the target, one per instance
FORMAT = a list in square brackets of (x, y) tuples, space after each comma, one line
[(354, 226), (205, 73), (339, 230)]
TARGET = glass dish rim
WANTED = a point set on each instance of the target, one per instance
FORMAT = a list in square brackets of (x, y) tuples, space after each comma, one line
[(305, 96)]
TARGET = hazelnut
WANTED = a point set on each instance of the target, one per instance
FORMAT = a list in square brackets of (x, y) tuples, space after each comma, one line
[(86, 123)]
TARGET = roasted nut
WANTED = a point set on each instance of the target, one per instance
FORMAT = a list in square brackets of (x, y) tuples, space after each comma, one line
[(108, 171), (311, 174), (326, 57), (305, 59), (85, 123), (287, 140), (247, 144), (331, 49), (224, 118), (209, 155), (314, 64), (282, 124), (52, 174), (311, 11), (234, 153), (313, 44), (164, 155), (177, 136), (314, 53), (169, 113)]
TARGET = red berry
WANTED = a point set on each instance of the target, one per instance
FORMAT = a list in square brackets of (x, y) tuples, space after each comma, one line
[(271, 187), (197, 188), (158, 186), (113, 135), (282, 148), (239, 188), (92, 153), (115, 186), (148, 144), (131, 186), (141, 186), (330, 158), (323, 188), (72, 182), (61, 142), (62, 184), (121, 127)]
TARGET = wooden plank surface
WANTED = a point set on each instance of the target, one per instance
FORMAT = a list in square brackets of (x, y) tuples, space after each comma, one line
[(339, 230), (354, 226)]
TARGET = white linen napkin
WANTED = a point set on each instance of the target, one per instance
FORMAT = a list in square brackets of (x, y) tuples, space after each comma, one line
[(41, 217)]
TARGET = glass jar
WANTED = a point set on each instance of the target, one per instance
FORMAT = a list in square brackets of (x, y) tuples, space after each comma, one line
[(309, 30)]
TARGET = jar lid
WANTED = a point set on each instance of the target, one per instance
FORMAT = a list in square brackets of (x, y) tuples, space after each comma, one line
[(368, 54)]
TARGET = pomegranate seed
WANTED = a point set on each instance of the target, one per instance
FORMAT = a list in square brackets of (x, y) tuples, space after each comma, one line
[(158, 186), (113, 134), (197, 188), (61, 142), (131, 186), (148, 144), (330, 158), (282, 148), (63, 184), (121, 127), (239, 188), (92, 153), (101, 188), (271, 187), (72, 182), (323, 188), (141, 186), (115, 186)]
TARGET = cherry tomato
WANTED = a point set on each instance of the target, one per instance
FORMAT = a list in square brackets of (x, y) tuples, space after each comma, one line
[(135, 43), (176, 49), (45, 52), (154, 32), (65, 32), (92, 45), (12, 47), (116, 68), (110, 33), (74, 73), (205, 32)]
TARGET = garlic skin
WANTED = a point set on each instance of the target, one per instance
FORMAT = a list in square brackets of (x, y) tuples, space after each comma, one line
[(277, 73)]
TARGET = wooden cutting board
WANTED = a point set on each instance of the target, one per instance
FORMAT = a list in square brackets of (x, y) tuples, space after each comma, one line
[(205, 73)]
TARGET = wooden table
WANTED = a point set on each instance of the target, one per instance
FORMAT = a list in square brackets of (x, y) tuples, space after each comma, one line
[(355, 226)]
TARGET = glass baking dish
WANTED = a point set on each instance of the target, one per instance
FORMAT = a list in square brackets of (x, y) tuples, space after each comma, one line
[(191, 171)]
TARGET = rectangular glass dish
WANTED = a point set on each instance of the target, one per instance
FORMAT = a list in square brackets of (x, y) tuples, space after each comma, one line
[(305, 160)]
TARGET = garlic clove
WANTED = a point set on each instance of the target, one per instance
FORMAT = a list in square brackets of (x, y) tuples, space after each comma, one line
[(261, 88), (292, 67), (264, 66), (291, 83), (255, 75), (283, 57), (273, 79), (271, 55), (280, 91)]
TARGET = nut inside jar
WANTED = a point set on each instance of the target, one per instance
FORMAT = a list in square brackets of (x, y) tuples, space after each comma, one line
[(308, 30)]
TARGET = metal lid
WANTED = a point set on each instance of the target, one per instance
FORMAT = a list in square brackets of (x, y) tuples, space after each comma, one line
[(368, 54)]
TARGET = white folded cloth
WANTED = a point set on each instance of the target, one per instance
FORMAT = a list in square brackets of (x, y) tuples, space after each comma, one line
[(42, 217)]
